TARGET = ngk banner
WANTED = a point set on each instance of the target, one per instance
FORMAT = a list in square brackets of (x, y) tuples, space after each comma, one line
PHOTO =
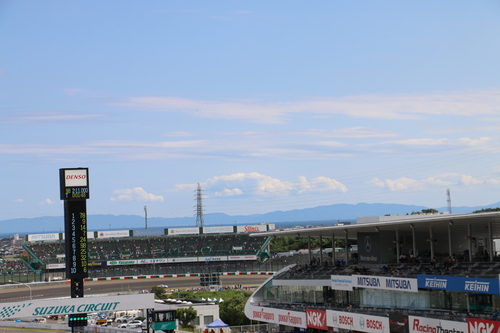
[(357, 322), (482, 326), (316, 319), (429, 325)]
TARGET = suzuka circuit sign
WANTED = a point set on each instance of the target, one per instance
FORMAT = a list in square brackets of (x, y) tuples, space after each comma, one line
[(75, 305)]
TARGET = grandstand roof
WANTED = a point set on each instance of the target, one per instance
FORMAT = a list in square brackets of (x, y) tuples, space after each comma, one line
[(478, 222)]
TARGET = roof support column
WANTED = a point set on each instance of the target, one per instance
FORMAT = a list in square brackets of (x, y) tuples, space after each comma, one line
[(333, 248), (449, 237), (309, 248), (321, 249), (346, 247), (432, 242), (490, 240), (413, 240), (469, 237), (397, 246)]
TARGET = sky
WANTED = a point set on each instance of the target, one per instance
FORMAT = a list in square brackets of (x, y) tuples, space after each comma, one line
[(268, 105)]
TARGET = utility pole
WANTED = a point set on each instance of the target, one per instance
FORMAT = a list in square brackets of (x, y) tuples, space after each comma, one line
[(146, 215)]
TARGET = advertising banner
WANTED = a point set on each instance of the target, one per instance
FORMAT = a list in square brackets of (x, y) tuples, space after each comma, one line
[(218, 230), (430, 325), (342, 282), (276, 316), (183, 231), (398, 322), (221, 258), (75, 305), (235, 258), (113, 234), (185, 259), (482, 326), (55, 266), (368, 248), (251, 228), (121, 262), (43, 237), (316, 319), (152, 261), (357, 322), (386, 283), (459, 283)]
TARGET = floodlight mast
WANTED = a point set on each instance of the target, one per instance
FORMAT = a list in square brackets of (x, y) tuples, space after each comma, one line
[(199, 207)]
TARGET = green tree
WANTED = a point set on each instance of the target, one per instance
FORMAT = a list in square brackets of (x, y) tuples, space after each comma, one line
[(232, 311), (186, 315), (159, 292)]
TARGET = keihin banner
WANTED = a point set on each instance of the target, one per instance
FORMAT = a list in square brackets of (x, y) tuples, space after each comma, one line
[(75, 305), (357, 322), (430, 325), (387, 283), (459, 283)]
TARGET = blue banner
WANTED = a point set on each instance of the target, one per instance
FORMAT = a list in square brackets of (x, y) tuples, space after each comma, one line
[(459, 283)]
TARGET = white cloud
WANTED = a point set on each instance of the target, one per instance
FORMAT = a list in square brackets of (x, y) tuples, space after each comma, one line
[(229, 192), (19, 201), (381, 106), (442, 180), (135, 194), (47, 202), (261, 185)]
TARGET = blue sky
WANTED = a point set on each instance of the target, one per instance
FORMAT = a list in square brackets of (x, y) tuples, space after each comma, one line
[(269, 105)]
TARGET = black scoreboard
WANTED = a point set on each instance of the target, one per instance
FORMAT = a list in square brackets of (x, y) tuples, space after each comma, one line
[(74, 185)]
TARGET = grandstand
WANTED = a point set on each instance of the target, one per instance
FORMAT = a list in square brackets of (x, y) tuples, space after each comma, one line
[(167, 251)]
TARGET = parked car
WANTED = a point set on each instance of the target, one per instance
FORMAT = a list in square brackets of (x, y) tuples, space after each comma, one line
[(124, 319), (131, 324)]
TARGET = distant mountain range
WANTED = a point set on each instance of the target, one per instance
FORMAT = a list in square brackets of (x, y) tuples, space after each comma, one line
[(321, 215)]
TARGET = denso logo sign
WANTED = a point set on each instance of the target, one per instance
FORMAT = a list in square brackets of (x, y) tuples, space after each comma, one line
[(316, 319)]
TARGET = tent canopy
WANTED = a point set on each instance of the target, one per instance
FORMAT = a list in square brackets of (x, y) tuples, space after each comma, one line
[(217, 323)]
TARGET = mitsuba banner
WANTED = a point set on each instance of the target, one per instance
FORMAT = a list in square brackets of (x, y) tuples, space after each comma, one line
[(430, 325), (398, 322), (183, 231), (368, 248), (386, 283), (342, 282), (357, 322), (251, 228), (276, 316), (43, 237), (316, 319), (482, 326), (75, 305), (459, 283)]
